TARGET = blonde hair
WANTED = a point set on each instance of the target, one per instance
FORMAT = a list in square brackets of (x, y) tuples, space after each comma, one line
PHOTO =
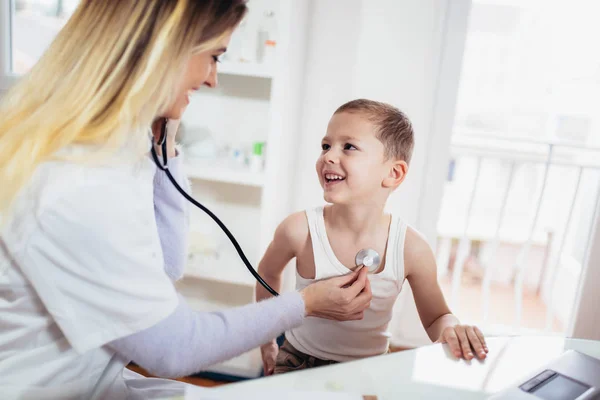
[(108, 74)]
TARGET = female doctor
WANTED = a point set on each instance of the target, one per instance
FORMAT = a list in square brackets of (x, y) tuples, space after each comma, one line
[(89, 226)]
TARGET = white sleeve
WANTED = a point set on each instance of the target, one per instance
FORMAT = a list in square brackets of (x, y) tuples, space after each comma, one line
[(96, 263), (172, 217)]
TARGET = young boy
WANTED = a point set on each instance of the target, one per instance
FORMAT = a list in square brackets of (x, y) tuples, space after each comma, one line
[(365, 157)]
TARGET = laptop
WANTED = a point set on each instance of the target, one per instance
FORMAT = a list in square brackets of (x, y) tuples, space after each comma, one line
[(572, 376)]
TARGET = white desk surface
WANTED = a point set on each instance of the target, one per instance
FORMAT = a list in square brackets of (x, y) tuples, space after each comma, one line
[(427, 372)]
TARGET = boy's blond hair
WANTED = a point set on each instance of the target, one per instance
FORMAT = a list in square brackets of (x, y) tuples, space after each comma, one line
[(395, 129)]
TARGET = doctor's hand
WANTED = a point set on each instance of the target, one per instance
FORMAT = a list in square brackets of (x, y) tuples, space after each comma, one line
[(172, 128), (464, 340), (341, 298), (269, 353)]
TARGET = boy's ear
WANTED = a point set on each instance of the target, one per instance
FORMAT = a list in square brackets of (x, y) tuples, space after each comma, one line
[(398, 171)]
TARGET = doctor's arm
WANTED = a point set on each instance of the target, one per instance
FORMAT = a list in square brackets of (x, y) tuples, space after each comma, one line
[(105, 287), (188, 341), (437, 319)]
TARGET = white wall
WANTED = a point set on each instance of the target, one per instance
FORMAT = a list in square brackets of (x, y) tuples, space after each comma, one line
[(330, 60), (386, 50)]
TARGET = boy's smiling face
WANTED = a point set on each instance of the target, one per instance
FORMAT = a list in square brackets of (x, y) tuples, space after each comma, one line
[(352, 168)]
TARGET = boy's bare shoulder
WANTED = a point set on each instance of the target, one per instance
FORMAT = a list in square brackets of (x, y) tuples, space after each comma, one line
[(415, 242), (294, 229), (418, 254)]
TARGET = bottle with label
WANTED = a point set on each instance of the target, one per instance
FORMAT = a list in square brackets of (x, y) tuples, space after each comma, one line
[(238, 47), (257, 158), (267, 39)]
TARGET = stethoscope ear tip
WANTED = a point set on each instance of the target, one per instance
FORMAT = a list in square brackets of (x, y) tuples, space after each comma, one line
[(163, 132)]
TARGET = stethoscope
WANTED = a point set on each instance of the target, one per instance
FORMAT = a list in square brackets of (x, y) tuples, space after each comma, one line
[(366, 257)]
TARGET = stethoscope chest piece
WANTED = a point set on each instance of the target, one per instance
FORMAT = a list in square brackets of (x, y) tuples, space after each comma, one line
[(369, 258)]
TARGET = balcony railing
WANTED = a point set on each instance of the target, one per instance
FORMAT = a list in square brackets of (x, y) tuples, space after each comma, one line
[(521, 209)]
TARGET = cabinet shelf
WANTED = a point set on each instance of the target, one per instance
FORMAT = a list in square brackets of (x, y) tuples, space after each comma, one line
[(228, 268), (245, 69), (222, 171)]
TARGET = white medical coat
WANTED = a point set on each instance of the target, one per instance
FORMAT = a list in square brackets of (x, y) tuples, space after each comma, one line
[(80, 266)]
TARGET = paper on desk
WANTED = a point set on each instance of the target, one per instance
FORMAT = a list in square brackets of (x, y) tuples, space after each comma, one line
[(197, 393)]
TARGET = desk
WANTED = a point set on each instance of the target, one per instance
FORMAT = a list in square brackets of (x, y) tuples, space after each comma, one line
[(428, 372)]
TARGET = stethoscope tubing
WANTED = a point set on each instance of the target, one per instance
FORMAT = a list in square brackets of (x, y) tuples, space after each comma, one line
[(165, 167)]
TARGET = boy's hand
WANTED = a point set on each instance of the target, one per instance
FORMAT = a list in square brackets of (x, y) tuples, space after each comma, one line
[(463, 339), (269, 353)]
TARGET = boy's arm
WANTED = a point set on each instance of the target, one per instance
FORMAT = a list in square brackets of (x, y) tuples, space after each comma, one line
[(288, 236), (441, 325), (285, 246)]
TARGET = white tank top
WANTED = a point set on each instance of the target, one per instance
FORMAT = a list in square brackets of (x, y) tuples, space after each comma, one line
[(350, 340)]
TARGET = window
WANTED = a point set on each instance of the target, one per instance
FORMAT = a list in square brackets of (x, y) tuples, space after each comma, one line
[(524, 180), (34, 24), (27, 27)]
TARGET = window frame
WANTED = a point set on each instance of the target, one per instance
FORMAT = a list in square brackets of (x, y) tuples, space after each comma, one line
[(7, 78)]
